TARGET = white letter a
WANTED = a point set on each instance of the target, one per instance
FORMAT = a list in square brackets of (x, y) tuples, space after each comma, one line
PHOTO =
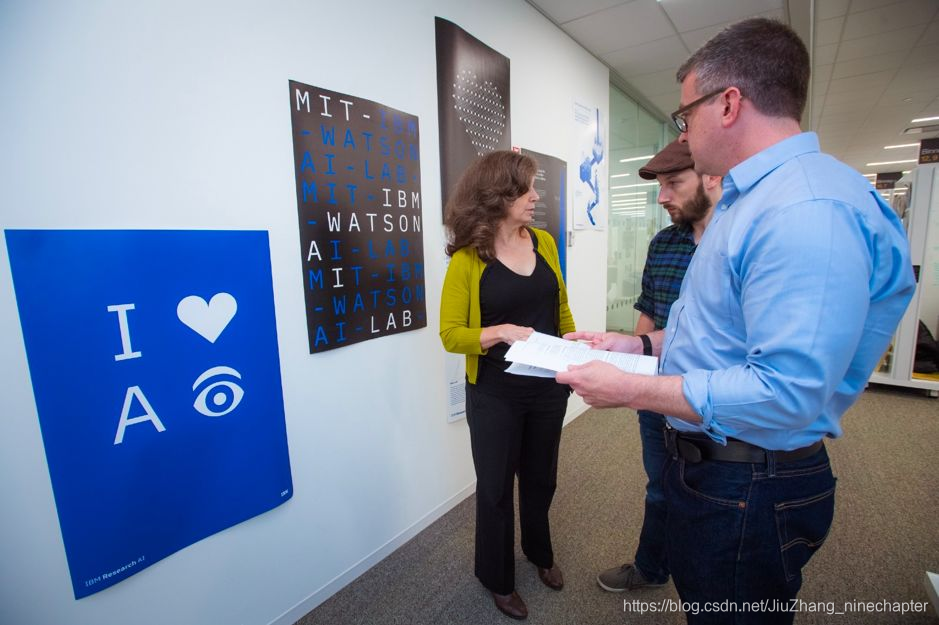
[(150, 415)]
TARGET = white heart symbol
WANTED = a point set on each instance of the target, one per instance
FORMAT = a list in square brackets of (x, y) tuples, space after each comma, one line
[(207, 320), (481, 109)]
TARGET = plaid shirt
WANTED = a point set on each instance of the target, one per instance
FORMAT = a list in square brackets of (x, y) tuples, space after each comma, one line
[(670, 252)]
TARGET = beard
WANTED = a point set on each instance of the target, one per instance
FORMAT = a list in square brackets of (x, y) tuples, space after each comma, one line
[(695, 209)]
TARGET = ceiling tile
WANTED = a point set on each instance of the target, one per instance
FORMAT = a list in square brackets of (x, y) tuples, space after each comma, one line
[(891, 17), (825, 55), (690, 15), (869, 65), (694, 39), (914, 100), (850, 118), (901, 40), (932, 33), (859, 6), (854, 83), (633, 23), (923, 56), (821, 75), (656, 83), (667, 102), (817, 104), (649, 57), (910, 79), (826, 9), (564, 10), (867, 97), (828, 31)]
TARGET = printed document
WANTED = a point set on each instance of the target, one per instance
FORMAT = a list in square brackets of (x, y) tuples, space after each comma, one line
[(543, 355)]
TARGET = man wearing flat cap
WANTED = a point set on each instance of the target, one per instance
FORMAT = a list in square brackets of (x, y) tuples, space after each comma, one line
[(689, 199)]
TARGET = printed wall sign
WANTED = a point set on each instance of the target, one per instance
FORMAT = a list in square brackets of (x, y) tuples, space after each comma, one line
[(588, 195), (551, 208), (929, 151), (887, 180), (156, 374), (473, 106), (358, 171)]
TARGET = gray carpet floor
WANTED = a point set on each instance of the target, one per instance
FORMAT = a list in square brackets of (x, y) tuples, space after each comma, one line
[(885, 534)]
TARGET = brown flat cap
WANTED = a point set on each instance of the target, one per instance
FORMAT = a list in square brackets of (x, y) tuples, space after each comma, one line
[(674, 157)]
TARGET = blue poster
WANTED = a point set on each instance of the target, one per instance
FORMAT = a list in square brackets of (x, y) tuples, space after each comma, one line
[(154, 365)]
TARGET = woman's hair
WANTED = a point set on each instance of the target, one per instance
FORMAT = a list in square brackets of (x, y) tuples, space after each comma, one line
[(482, 195)]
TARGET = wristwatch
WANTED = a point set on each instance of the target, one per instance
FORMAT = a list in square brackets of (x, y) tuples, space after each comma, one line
[(646, 344)]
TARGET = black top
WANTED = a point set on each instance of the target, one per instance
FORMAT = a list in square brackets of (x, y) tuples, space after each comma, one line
[(507, 297)]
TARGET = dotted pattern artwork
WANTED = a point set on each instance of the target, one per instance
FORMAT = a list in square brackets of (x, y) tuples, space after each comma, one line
[(481, 110)]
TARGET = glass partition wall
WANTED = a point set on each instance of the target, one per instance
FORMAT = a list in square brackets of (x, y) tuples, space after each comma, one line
[(635, 216)]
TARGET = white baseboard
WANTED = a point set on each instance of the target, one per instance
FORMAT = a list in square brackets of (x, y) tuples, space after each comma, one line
[(574, 410), (349, 575), (932, 589)]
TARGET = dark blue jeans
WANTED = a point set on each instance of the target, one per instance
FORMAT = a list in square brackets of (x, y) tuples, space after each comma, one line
[(651, 557), (740, 533)]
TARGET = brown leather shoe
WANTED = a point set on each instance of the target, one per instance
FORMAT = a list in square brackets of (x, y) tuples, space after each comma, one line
[(552, 578), (511, 605)]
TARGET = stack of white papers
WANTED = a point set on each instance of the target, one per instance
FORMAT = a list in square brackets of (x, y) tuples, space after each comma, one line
[(543, 356)]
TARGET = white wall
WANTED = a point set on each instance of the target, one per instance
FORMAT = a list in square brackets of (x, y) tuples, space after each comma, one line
[(174, 115)]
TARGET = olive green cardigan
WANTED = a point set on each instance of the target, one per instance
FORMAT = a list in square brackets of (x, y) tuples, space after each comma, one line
[(460, 316)]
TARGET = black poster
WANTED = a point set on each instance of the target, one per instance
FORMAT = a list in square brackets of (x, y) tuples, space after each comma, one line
[(551, 207), (472, 102), (887, 180), (358, 171), (929, 151)]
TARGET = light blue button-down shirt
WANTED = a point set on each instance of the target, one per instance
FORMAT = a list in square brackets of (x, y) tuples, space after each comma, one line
[(790, 300)]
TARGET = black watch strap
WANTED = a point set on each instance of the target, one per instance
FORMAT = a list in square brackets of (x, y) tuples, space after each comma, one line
[(646, 344)]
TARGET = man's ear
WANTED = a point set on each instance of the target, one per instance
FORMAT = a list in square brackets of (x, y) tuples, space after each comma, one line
[(711, 182), (732, 101)]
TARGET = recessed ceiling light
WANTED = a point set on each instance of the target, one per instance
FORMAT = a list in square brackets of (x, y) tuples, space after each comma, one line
[(909, 160), (870, 175), (650, 184), (901, 145), (920, 130), (621, 175), (924, 119), (639, 158)]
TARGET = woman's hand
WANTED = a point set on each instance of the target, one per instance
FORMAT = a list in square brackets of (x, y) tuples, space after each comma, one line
[(506, 333)]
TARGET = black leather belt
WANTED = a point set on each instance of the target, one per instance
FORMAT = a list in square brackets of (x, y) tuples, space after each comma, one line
[(694, 447)]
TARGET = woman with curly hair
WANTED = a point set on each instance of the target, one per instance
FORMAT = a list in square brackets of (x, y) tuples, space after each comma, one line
[(504, 282)]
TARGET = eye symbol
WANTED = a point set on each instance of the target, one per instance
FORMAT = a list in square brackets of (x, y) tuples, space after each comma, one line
[(221, 396)]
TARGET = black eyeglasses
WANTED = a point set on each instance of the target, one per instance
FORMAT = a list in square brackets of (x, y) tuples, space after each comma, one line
[(678, 117)]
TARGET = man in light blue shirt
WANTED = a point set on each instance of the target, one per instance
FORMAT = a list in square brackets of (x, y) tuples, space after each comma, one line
[(788, 304)]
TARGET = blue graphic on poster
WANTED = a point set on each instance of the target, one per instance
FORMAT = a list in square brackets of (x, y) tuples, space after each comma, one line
[(154, 364), (587, 202)]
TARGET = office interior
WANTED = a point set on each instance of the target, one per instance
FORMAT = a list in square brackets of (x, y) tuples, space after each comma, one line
[(171, 115)]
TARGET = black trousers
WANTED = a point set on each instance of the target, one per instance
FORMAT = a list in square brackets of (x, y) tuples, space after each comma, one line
[(513, 435)]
